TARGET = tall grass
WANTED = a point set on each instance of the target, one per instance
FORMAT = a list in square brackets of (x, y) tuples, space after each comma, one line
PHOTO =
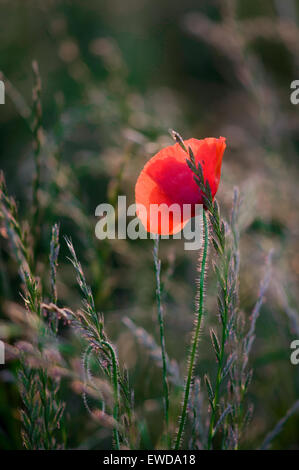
[(228, 415), (212, 407), (229, 411), (42, 409)]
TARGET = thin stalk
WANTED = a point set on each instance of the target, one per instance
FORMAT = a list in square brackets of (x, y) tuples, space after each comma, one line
[(115, 392), (37, 145), (199, 315), (162, 337)]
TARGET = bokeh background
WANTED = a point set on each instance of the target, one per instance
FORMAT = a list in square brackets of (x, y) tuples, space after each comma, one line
[(116, 75)]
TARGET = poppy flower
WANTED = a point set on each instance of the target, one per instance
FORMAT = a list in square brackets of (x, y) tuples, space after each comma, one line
[(167, 180)]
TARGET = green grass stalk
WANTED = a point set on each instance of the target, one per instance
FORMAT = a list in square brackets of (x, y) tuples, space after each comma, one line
[(218, 381), (115, 391)]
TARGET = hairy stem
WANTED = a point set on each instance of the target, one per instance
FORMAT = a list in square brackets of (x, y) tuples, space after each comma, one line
[(162, 337), (199, 315)]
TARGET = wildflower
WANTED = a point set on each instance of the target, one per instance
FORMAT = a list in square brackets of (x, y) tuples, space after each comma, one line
[(166, 179)]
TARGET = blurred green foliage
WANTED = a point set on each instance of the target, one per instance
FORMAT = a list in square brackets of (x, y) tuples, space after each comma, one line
[(115, 76)]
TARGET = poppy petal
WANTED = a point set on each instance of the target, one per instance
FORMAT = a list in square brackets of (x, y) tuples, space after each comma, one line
[(167, 180)]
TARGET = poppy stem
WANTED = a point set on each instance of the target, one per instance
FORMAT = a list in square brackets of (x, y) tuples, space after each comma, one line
[(157, 262), (197, 326)]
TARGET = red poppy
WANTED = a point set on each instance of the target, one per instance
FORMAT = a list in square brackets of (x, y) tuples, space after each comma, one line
[(166, 179)]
